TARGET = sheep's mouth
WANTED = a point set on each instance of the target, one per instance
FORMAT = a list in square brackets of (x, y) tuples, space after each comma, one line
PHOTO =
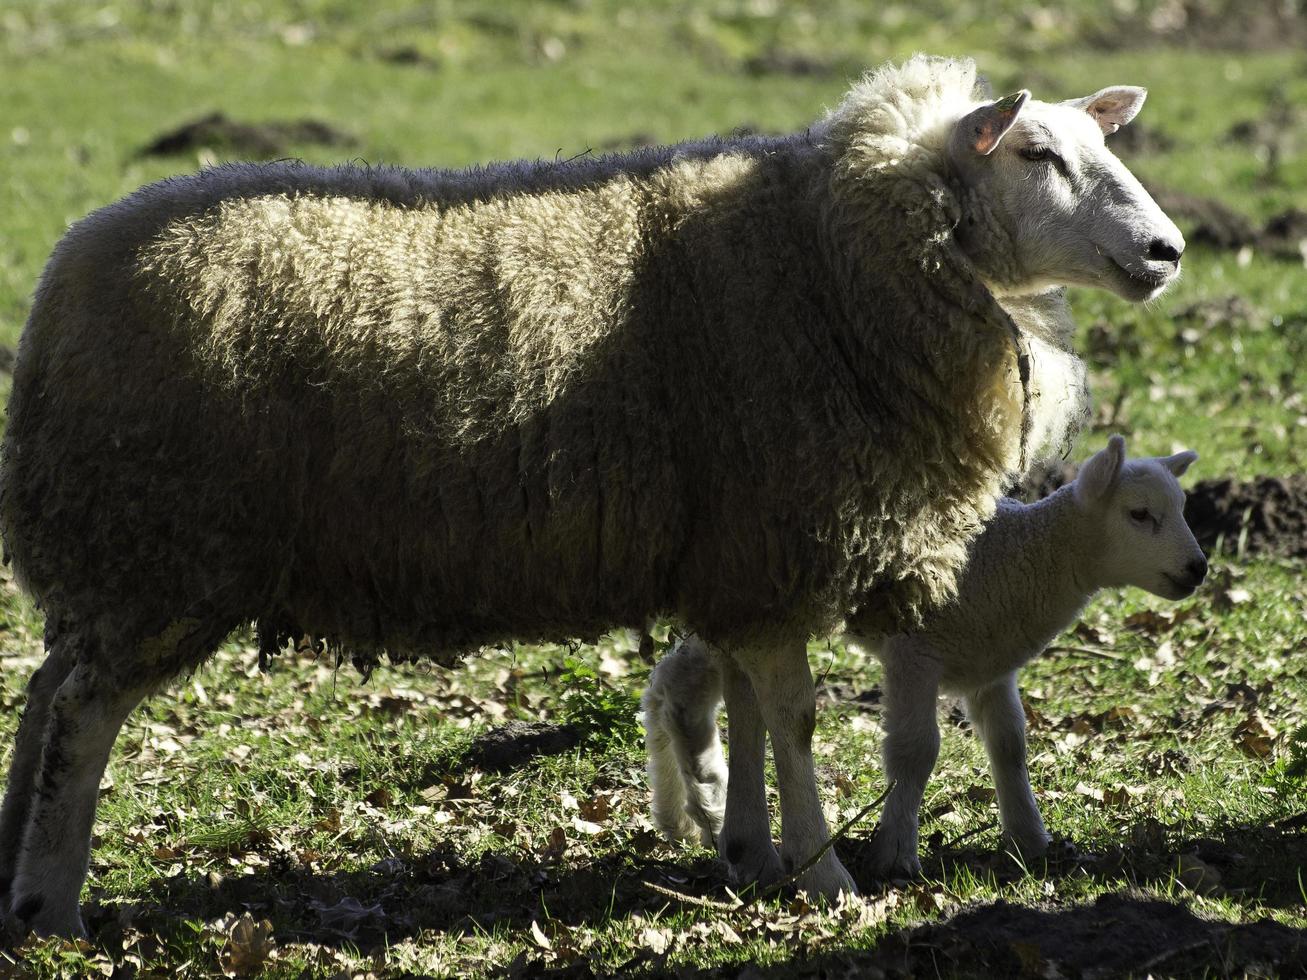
[(1148, 281), (1183, 588)]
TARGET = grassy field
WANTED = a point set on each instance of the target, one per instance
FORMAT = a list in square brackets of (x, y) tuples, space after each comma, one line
[(304, 823)]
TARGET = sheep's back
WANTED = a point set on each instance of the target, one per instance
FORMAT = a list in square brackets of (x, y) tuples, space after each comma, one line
[(392, 425)]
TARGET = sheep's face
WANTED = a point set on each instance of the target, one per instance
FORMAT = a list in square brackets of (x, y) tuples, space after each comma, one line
[(1139, 506), (1075, 215)]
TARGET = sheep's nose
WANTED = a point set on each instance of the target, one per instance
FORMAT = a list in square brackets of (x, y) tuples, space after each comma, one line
[(1160, 250), (1197, 569)]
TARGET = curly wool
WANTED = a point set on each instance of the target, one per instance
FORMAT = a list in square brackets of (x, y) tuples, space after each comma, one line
[(740, 381)]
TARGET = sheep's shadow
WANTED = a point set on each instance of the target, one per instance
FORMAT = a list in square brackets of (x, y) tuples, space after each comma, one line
[(446, 892), (1265, 863), (1120, 934), (398, 898)]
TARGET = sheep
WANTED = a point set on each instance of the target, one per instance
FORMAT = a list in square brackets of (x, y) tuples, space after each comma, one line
[(1031, 572), (412, 413)]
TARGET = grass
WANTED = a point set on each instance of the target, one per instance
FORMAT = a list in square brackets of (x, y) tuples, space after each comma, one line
[(341, 811)]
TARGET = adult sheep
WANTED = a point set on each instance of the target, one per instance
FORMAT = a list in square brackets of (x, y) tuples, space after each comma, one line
[(738, 381)]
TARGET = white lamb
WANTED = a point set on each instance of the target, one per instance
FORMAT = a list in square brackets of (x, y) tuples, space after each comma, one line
[(1031, 572)]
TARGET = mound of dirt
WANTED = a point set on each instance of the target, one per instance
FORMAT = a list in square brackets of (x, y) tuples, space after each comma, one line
[(1139, 140), (264, 140), (513, 745), (1263, 516), (1267, 515), (1212, 223)]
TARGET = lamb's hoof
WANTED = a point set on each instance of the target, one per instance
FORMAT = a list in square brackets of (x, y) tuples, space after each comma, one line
[(894, 861), (1034, 848), (827, 880)]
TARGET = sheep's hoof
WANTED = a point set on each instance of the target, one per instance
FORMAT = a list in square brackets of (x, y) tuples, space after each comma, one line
[(34, 914), (828, 879), (758, 866)]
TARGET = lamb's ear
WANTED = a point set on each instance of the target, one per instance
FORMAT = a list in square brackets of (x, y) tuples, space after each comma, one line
[(1112, 107), (1101, 471), (1180, 462), (981, 128)]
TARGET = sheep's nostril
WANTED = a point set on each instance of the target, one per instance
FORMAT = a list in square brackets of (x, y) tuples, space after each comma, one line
[(1160, 250), (1198, 569)]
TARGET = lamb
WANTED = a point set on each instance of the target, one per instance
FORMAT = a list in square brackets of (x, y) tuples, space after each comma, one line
[(411, 413), (1030, 574)]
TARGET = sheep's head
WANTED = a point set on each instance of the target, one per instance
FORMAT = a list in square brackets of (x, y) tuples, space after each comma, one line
[(1136, 508), (1073, 213)]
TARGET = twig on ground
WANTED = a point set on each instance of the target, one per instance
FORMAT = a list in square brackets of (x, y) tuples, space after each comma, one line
[(776, 887), (1088, 652), (967, 835), (705, 903)]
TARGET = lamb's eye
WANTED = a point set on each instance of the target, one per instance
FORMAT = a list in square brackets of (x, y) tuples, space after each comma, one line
[(1140, 514)]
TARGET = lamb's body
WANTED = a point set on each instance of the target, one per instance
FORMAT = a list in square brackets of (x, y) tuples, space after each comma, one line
[(1021, 588)]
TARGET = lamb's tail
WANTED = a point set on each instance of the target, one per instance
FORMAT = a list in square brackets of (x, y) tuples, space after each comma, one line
[(687, 771)]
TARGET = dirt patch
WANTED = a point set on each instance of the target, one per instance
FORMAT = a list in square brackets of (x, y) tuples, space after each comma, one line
[(1267, 515), (1139, 140), (1211, 223), (1217, 225), (513, 745), (264, 140), (778, 61)]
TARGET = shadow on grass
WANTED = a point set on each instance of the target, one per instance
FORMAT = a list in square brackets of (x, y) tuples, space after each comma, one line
[(1118, 935), (400, 897), (1121, 933)]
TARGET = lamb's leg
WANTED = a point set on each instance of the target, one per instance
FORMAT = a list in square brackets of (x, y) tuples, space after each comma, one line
[(784, 688), (85, 715), (911, 684), (27, 757), (999, 719), (687, 771), (745, 841)]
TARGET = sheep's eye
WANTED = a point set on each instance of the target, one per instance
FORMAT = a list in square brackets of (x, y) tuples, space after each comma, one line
[(1140, 514), (1039, 153)]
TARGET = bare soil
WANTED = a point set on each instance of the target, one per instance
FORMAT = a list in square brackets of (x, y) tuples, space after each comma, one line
[(255, 140)]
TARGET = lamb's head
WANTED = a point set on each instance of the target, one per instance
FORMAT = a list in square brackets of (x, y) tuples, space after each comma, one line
[(1134, 512), (1039, 176)]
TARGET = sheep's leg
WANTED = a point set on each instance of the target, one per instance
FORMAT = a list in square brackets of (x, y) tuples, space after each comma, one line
[(745, 841), (27, 756), (85, 715), (911, 746), (784, 688), (1000, 721), (687, 771)]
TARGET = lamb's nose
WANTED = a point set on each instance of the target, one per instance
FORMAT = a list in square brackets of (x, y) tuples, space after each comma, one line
[(1198, 569), (1160, 250)]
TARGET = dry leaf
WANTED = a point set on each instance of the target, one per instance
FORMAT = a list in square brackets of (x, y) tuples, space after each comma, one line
[(249, 946)]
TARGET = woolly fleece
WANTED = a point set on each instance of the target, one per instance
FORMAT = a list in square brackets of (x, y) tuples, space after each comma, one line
[(746, 382)]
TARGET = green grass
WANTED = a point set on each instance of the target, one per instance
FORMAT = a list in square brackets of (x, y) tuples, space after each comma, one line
[(340, 811)]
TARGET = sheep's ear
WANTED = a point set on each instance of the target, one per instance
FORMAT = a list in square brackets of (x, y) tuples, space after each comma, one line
[(1180, 462), (982, 128), (1112, 107), (1098, 476)]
